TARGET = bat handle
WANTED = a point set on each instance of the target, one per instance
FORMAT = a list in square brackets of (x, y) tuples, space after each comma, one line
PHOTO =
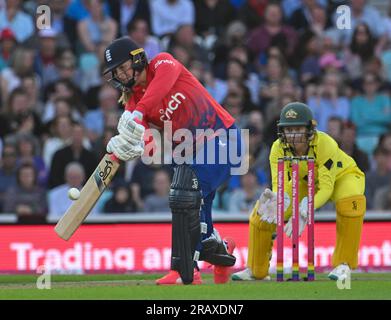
[(113, 157)]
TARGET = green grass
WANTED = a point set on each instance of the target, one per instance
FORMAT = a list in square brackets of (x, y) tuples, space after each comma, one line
[(142, 287)]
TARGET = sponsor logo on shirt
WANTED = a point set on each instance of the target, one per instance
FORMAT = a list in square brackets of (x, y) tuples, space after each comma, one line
[(173, 104), (159, 62)]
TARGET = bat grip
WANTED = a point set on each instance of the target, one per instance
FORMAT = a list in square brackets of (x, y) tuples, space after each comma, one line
[(113, 157)]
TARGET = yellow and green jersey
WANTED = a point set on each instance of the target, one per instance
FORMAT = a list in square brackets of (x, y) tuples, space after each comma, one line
[(331, 164)]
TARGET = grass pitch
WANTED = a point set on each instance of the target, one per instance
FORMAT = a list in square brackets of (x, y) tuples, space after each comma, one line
[(142, 287)]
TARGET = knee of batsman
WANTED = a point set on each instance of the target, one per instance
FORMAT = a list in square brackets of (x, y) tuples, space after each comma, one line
[(353, 206), (185, 192)]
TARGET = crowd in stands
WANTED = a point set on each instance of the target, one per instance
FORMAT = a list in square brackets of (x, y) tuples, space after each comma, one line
[(57, 113)]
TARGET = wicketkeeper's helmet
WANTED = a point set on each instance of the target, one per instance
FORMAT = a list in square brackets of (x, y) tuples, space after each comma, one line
[(296, 114), (120, 51)]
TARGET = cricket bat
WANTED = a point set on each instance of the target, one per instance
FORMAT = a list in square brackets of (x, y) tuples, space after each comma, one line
[(89, 195)]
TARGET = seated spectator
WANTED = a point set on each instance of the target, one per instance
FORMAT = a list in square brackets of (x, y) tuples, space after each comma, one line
[(385, 141), (360, 51), (142, 179), (212, 17), (158, 200), (334, 128), (348, 144), (12, 16), (74, 152), (272, 32), (125, 12), (329, 101), (61, 133), (62, 89), (138, 31), (379, 176), (45, 58), (28, 152), (185, 37), (121, 200), (96, 30), (7, 46), (242, 200), (168, 15), (7, 171), (18, 117), (258, 155), (382, 199), (21, 64), (31, 84), (58, 199), (94, 120), (26, 198), (307, 58), (371, 113)]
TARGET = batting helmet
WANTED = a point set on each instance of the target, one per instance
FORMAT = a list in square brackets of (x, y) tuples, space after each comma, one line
[(120, 51)]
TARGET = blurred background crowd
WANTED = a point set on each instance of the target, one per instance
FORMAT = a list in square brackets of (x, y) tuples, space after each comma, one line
[(254, 56)]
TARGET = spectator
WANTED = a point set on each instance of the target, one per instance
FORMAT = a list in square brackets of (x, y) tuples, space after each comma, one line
[(212, 17), (272, 32), (94, 120), (348, 144), (74, 152), (334, 128), (21, 64), (18, 116), (138, 31), (276, 70), (382, 199), (379, 176), (360, 51), (385, 141), (185, 37), (59, 201), (252, 13), (63, 88), (45, 58), (7, 171), (307, 58), (303, 18), (362, 12), (371, 113), (330, 100), (243, 199), (168, 15), (258, 155), (158, 200), (61, 133), (126, 12), (141, 182), (32, 85), (11, 16), (96, 30), (26, 198), (121, 200), (29, 152), (7, 46)]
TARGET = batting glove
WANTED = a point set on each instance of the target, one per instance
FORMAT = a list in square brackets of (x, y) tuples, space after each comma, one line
[(123, 150), (130, 128)]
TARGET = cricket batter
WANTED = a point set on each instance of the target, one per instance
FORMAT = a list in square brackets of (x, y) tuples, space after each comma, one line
[(155, 93), (337, 178)]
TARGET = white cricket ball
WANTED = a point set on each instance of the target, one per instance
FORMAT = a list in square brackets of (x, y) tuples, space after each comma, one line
[(73, 193)]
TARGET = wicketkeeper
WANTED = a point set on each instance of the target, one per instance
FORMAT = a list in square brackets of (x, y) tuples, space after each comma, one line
[(337, 178), (162, 91)]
